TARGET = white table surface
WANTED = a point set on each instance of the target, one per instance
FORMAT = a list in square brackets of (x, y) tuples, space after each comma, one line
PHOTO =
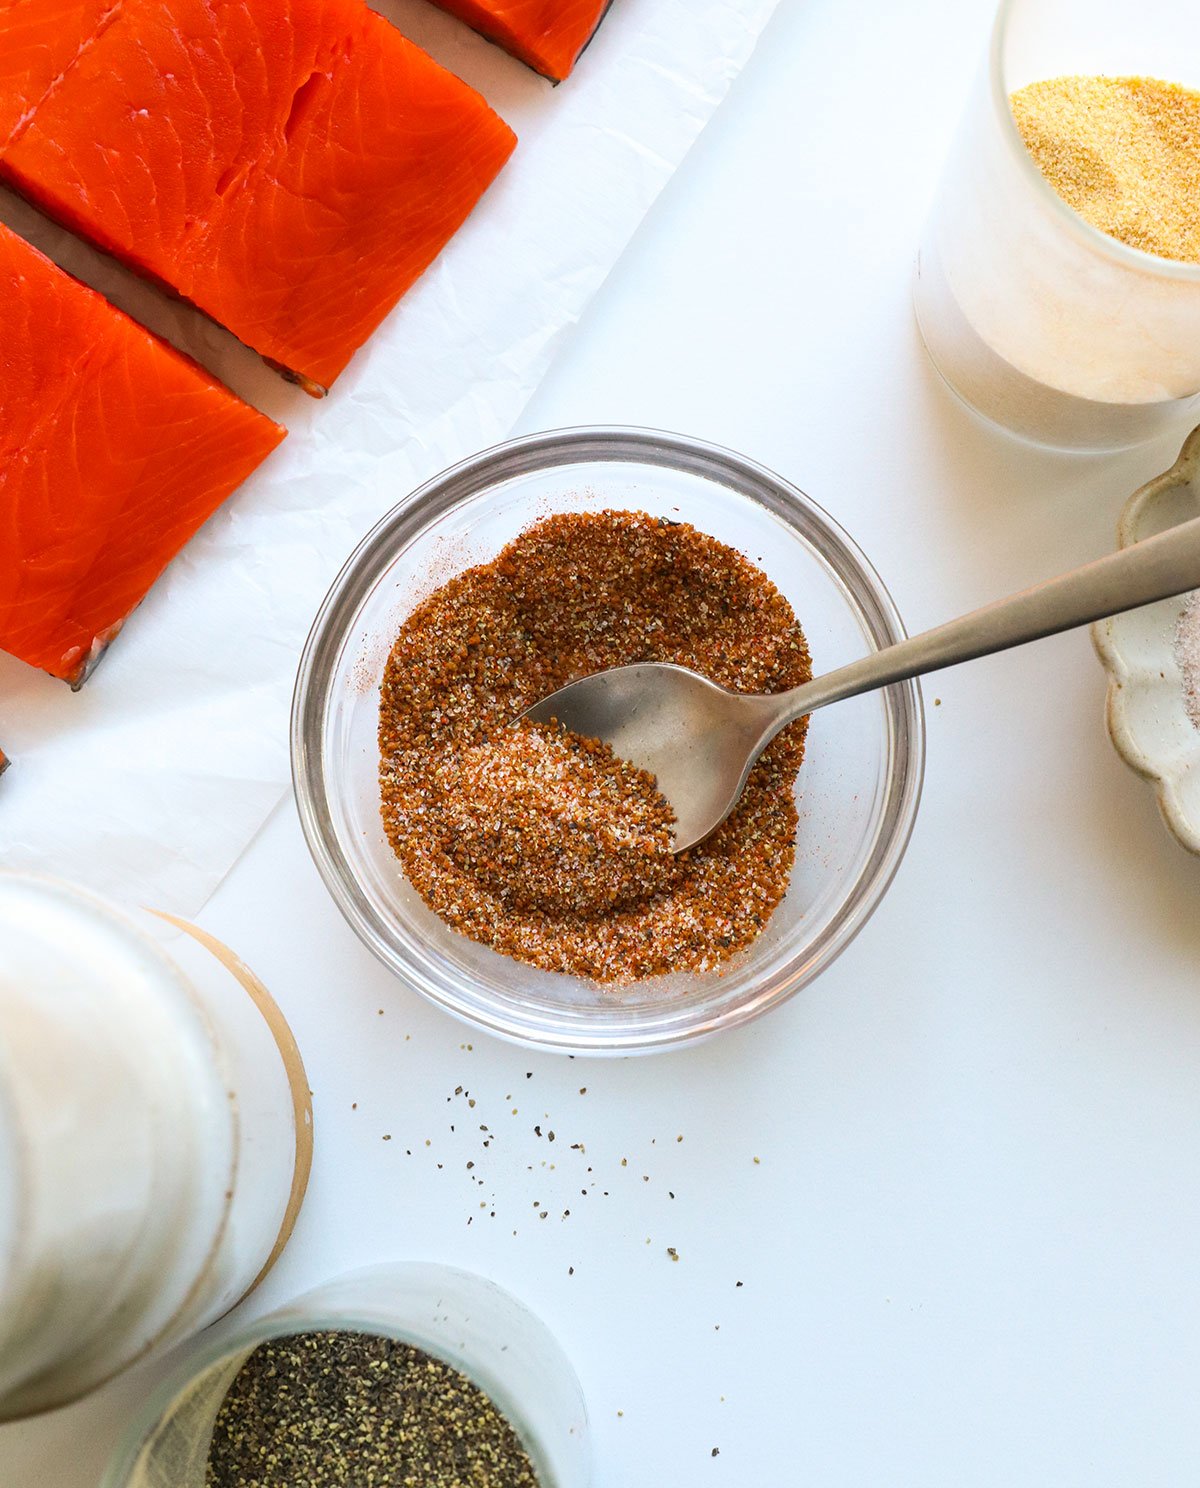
[(969, 1246)]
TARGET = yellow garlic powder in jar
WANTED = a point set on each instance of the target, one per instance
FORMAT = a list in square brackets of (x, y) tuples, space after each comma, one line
[(1124, 152)]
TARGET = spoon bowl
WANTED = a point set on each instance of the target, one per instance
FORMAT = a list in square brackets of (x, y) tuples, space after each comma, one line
[(698, 740)]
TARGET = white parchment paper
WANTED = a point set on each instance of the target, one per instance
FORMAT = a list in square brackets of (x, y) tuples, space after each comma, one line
[(150, 782)]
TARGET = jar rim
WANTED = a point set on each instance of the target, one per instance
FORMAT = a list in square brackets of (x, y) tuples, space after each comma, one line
[(377, 1300)]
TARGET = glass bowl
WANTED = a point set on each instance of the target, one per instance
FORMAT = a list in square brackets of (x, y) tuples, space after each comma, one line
[(857, 792)]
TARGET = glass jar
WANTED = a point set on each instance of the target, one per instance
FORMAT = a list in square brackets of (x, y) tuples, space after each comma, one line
[(1035, 318), (155, 1137), (462, 1319)]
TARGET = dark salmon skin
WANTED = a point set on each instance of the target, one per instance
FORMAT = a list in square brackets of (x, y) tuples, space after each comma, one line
[(289, 166), (114, 448)]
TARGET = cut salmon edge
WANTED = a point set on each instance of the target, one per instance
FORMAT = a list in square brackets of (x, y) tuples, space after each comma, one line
[(557, 82)]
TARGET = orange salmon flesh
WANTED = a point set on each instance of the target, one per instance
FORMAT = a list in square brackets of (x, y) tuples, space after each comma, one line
[(289, 166), (114, 448)]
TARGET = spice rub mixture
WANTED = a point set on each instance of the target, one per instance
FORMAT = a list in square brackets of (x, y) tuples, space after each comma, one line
[(1124, 152), (348, 1410), (545, 845)]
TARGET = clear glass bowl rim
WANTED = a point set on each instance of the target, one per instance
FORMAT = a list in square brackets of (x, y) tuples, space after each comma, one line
[(472, 477)]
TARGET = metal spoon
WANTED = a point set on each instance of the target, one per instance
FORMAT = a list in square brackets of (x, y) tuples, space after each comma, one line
[(700, 741)]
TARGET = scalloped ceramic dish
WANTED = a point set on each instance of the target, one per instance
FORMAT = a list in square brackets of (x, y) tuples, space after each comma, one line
[(1147, 712)]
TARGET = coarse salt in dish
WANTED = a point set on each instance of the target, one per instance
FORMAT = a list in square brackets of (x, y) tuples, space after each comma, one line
[(1150, 656), (1187, 649)]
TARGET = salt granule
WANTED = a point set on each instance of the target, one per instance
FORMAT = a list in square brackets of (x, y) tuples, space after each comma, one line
[(1187, 650)]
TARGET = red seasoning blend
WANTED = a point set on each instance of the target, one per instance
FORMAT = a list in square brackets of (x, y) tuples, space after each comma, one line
[(544, 845)]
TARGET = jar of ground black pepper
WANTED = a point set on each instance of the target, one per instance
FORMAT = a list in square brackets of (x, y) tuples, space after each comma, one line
[(383, 1369), (155, 1137)]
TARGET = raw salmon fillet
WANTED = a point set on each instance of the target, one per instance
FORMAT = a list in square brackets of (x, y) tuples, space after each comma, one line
[(114, 448), (39, 41), (547, 35), (289, 166)]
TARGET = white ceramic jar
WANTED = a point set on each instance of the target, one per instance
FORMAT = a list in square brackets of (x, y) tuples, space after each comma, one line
[(155, 1137)]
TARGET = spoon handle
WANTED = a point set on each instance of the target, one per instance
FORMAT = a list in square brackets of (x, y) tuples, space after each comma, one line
[(1156, 568)]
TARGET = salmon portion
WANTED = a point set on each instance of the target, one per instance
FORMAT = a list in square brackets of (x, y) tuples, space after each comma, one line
[(547, 35), (289, 166), (40, 42), (114, 448)]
